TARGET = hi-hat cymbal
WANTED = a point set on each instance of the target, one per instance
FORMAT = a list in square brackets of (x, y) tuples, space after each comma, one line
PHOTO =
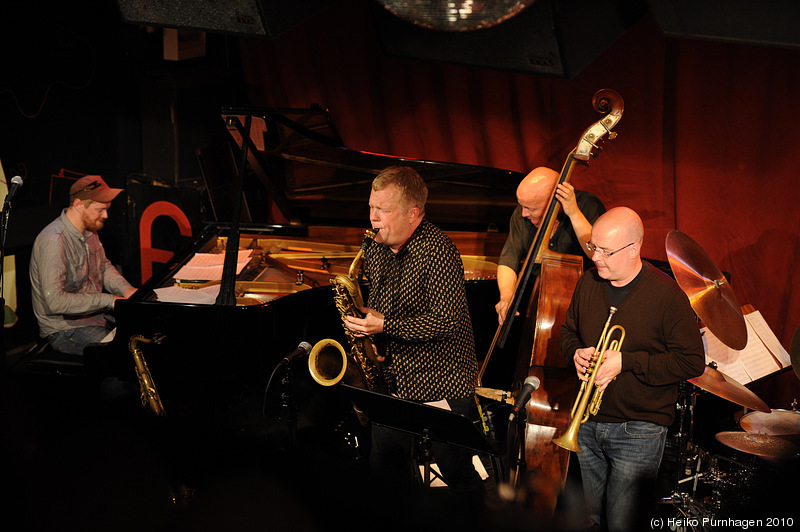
[(758, 444), (709, 293), (716, 382), (776, 423)]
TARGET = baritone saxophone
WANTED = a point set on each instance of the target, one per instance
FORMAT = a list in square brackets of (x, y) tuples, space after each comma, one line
[(150, 397), (328, 362)]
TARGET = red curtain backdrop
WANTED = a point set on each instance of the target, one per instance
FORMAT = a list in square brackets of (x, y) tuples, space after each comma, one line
[(706, 144)]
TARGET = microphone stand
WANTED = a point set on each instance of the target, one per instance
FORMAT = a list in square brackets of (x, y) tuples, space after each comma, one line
[(288, 407), (516, 464), (4, 216)]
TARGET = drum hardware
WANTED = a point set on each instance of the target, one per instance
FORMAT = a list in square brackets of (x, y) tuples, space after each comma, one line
[(732, 484), (689, 514), (690, 459), (708, 484)]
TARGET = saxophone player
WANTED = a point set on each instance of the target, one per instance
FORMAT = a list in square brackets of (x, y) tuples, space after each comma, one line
[(417, 304), (622, 444)]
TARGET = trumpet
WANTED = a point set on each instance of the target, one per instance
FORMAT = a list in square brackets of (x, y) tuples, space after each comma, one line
[(588, 399)]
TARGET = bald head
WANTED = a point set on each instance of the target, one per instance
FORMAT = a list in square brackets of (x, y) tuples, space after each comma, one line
[(622, 222), (618, 236), (534, 192)]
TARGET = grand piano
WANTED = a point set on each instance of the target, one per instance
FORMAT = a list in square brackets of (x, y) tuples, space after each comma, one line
[(212, 354)]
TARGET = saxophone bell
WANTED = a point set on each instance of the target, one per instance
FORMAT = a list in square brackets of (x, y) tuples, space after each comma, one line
[(327, 362)]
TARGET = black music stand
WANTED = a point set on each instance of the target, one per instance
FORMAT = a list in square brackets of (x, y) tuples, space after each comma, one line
[(428, 422)]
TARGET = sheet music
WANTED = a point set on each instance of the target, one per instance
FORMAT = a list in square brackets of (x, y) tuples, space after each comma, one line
[(110, 336), (727, 359), (442, 403), (762, 356), (759, 324), (208, 266), (197, 296)]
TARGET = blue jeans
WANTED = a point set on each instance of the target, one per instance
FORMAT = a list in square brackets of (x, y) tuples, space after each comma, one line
[(72, 341), (619, 468)]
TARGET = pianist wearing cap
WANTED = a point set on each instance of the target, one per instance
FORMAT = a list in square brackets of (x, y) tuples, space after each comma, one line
[(73, 283)]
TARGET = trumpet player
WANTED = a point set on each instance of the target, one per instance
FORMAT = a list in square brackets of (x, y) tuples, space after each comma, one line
[(621, 445)]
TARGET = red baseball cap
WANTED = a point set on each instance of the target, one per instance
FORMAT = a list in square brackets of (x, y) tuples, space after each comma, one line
[(94, 188)]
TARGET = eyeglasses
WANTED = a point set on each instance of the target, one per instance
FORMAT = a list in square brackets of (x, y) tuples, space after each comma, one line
[(592, 248)]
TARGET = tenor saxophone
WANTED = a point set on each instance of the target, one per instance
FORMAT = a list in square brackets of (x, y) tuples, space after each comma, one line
[(368, 372), (150, 397)]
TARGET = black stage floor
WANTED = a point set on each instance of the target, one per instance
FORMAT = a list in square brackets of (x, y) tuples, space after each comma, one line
[(77, 455)]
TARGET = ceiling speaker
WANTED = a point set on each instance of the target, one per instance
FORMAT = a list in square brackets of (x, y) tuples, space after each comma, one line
[(550, 37), (766, 22), (264, 18)]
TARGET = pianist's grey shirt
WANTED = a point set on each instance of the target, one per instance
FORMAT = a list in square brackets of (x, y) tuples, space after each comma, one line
[(69, 272)]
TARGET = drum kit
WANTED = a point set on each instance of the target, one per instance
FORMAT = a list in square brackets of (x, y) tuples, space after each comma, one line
[(723, 483)]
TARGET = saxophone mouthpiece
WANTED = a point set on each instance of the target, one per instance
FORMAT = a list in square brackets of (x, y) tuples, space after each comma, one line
[(368, 235)]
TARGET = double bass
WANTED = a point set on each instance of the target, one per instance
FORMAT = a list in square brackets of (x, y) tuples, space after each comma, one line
[(535, 316)]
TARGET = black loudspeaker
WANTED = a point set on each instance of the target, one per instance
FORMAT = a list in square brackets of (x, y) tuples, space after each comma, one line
[(766, 22), (161, 220), (556, 38), (180, 114), (264, 18)]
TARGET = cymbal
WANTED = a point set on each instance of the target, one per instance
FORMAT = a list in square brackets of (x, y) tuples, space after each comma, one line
[(794, 352), (758, 444), (776, 423), (716, 382), (497, 395), (710, 294)]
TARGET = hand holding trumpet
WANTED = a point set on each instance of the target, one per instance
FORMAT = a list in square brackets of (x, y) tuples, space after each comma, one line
[(596, 367), (610, 367)]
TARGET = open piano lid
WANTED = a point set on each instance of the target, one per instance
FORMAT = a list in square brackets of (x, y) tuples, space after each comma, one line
[(300, 159)]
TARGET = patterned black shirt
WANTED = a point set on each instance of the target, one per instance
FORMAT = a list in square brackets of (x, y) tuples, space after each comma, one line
[(420, 291)]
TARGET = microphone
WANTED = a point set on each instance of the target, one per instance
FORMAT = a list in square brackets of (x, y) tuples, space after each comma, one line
[(16, 183), (303, 349), (531, 385)]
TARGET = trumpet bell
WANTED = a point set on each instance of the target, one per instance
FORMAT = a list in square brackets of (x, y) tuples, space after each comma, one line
[(569, 440), (327, 362)]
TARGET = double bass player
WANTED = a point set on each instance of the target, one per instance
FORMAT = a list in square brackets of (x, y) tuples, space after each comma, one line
[(579, 211)]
